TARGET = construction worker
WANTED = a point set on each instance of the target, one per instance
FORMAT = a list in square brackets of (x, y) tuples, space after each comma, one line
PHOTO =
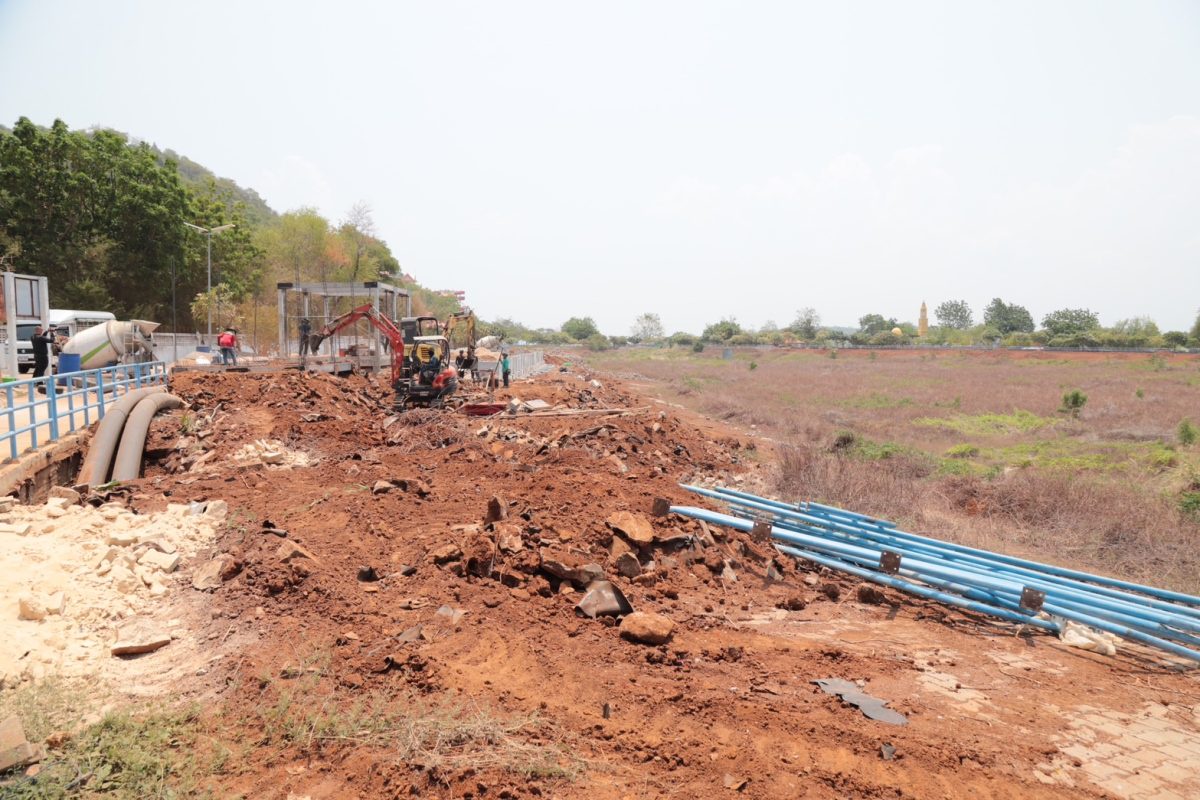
[(42, 341), (227, 341), (505, 369), (305, 332)]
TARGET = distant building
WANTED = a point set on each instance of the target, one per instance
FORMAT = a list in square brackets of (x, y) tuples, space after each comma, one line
[(923, 322)]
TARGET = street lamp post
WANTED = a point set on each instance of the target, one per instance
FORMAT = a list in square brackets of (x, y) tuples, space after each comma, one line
[(209, 233)]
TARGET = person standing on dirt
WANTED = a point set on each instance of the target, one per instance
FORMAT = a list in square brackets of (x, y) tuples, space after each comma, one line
[(305, 332), (227, 341), (505, 369), (42, 341)]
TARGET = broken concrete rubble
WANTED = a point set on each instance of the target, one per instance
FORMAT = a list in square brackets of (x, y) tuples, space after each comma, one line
[(15, 750), (167, 562), (214, 572), (289, 551), (138, 638)]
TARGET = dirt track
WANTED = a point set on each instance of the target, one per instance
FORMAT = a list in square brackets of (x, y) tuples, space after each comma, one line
[(726, 707)]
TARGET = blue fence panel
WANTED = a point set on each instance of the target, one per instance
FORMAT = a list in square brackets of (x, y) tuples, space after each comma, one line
[(35, 406)]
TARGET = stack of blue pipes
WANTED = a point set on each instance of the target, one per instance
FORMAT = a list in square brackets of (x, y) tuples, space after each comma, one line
[(1014, 589)]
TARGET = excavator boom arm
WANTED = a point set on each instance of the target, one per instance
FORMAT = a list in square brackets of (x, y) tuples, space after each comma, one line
[(381, 323)]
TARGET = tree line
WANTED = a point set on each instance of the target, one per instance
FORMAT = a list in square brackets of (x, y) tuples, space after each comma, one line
[(104, 219), (1007, 324)]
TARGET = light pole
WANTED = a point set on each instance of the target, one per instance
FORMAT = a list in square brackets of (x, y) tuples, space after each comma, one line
[(209, 233)]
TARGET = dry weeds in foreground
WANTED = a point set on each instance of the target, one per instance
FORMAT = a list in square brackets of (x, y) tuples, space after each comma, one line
[(970, 447)]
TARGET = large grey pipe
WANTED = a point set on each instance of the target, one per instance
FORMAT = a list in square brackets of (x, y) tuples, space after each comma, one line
[(100, 452), (127, 466)]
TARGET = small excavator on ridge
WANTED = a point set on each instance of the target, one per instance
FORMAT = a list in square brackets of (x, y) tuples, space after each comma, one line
[(422, 373)]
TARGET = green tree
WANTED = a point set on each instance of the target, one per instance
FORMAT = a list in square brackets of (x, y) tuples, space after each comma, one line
[(647, 328), (580, 328), (871, 324), (1175, 339), (1194, 336), (806, 324), (1069, 321), (238, 260), (682, 339), (721, 331), (1008, 318), (954, 314), (221, 301), (101, 218)]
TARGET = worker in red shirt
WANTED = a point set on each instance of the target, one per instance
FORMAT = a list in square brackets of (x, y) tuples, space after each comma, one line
[(227, 341)]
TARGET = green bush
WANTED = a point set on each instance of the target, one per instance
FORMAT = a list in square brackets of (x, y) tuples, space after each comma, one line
[(753, 365), (962, 451), (1187, 432), (697, 347), (1189, 504), (1073, 402), (597, 342)]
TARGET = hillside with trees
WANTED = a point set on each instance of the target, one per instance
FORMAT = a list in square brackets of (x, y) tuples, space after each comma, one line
[(103, 217)]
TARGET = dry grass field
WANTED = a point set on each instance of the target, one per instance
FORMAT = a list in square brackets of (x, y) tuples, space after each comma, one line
[(972, 446)]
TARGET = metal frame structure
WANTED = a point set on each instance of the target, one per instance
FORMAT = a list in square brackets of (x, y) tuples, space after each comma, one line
[(390, 301)]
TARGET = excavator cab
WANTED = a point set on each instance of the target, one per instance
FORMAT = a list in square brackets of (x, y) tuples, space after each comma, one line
[(413, 328), (429, 376)]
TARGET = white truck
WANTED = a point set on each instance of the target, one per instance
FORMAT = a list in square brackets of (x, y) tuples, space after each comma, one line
[(63, 322)]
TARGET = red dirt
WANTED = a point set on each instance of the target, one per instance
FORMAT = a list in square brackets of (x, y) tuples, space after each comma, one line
[(728, 699)]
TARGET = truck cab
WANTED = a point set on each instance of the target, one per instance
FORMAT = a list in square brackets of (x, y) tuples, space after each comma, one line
[(63, 322)]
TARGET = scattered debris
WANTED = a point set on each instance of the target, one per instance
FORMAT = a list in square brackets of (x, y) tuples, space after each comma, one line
[(735, 783), (450, 615), (872, 707), (603, 599), (271, 453)]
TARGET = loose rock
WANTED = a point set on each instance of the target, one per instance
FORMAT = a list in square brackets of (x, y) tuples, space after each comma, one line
[(636, 527), (647, 627), (139, 638), (214, 572), (870, 594)]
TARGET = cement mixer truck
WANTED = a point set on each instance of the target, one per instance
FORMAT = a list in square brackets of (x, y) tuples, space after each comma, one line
[(113, 342)]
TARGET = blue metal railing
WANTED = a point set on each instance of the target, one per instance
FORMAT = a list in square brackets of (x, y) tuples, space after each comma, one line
[(35, 406)]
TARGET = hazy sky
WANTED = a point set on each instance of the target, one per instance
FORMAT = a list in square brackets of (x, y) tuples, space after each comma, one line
[(695, 159)]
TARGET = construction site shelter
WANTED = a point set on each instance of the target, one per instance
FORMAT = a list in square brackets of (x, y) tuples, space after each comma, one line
[(317, 304)]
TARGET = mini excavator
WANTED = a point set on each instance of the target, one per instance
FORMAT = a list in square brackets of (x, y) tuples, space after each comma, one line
[(422, 374)]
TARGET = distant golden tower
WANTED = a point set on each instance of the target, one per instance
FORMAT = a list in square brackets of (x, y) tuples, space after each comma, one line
[(923, 323)]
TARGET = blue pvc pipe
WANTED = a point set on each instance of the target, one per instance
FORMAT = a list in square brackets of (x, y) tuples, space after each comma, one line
[(1153, 622), (1087, 619), (1096, 583), (1164, 594), (920, 591), (1120, 606), (948, 550)]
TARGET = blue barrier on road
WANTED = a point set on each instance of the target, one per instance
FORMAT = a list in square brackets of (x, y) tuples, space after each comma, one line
[(34, 405)]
